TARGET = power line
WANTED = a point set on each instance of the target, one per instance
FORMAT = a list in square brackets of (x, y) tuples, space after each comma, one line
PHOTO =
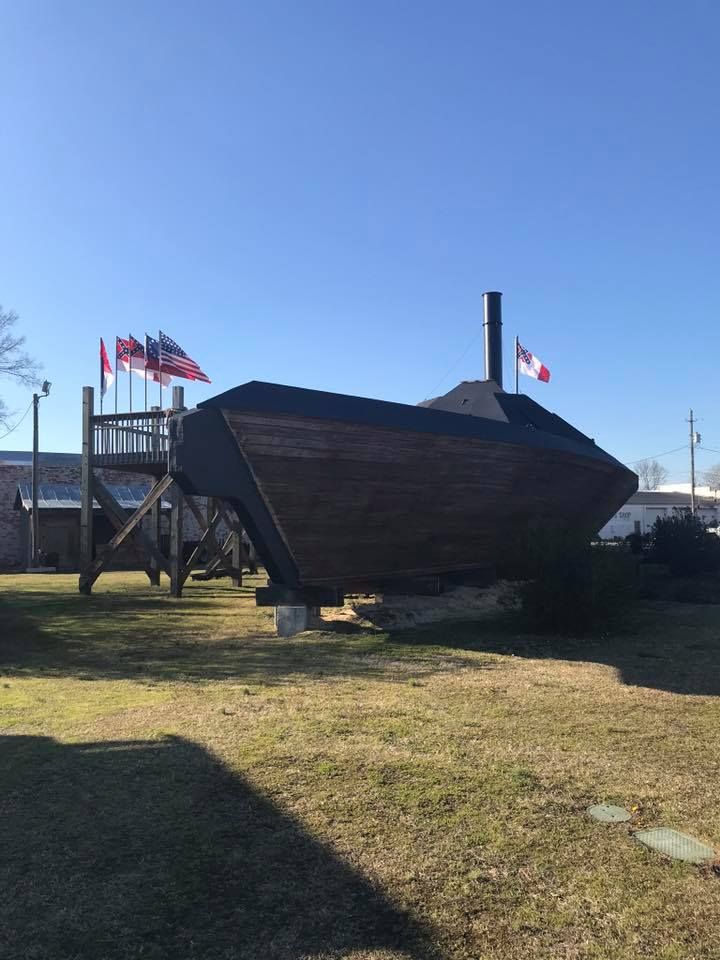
[(629, 463), (456, 362), (18, 423)]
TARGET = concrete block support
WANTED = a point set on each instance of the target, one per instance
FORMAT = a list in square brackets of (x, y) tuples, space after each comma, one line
[(290, 620)]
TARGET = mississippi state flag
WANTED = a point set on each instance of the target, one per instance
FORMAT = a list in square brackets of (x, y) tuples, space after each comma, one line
[(531, 366)]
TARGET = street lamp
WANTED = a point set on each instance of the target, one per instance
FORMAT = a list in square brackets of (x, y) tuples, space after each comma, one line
[(35, 515)]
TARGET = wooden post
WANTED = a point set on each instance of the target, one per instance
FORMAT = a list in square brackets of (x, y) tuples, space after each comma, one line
[(156, 509), (252, 559), (176, 539), (210, 511), (86, 491), (155, 440), (154, 535), (237, 559), (176, 517)]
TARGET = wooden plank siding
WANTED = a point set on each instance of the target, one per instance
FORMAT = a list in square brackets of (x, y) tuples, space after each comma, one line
[(354, 501)]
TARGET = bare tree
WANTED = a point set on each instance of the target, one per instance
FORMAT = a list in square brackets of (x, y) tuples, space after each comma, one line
[(14, 362), (651, 474), (711, 476)]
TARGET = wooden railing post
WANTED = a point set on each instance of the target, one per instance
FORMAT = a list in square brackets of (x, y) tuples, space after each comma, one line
[(178, 398), (86, 491)]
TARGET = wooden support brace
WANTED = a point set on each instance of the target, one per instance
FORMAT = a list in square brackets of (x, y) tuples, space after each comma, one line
[(240, 554), (197, 513), (208, 534), (116, 516), (99, 564), (219, 560), (233, 521), (203, 524), (222, 557)]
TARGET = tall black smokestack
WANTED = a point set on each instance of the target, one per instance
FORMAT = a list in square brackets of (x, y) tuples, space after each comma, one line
[(492, 328)]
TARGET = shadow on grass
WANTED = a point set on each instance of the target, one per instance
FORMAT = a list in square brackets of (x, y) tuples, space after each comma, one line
[(669, 647), (210, 634), (155, 849), (217, 633)]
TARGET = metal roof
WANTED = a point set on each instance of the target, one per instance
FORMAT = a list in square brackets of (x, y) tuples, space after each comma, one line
[(484, 398), (66, 496), (22, 458), (662, 498)]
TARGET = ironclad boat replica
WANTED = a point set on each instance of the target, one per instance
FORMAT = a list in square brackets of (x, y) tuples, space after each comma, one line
[(337, 491)]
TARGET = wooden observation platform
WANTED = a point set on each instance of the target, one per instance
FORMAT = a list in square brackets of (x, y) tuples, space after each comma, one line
[(139, 443), (132, 441)]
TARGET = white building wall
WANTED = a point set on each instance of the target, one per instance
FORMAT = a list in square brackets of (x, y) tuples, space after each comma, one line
[(644, 515)]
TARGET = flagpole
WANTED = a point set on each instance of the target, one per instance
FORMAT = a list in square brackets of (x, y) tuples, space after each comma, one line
[(116, 372), (517, 367), (130, 340), (145, 374), (102, 375), (160, 367)]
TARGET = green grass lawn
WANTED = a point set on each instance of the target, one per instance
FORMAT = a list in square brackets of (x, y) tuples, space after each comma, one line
[(176, 782)]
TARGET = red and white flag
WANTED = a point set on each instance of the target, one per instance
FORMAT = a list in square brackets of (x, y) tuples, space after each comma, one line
[(106, 371), (531, 366)]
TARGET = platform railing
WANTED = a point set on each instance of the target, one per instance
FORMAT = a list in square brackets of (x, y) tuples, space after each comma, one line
[(131, 438)]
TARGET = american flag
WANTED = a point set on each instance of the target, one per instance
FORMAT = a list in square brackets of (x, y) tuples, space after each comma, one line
[(173, 359)]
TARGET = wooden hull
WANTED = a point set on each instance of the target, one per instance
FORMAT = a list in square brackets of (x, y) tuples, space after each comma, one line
[(346, 502)]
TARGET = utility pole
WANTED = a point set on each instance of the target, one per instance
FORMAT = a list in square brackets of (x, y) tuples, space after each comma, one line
[(35, 536), (35, 527), (694, 439)]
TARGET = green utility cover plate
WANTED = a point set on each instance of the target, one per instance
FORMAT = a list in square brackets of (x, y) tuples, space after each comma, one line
[(679, 846), (608, 813)]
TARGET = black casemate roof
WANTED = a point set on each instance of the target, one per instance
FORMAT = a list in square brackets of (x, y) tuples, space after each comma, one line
[(472, 409)]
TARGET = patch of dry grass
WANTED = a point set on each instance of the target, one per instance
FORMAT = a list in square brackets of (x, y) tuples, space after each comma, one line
[(180, 783)]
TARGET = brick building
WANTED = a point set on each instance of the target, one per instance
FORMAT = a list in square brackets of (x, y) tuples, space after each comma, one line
[(59, 509)]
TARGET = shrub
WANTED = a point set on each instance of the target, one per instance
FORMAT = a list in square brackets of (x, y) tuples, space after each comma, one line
[(573, 586), (682, 542)]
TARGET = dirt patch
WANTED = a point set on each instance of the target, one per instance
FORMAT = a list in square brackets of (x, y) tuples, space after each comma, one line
[(387, 612)]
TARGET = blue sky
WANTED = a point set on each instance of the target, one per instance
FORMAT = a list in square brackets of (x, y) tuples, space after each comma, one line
[(318, 193)]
